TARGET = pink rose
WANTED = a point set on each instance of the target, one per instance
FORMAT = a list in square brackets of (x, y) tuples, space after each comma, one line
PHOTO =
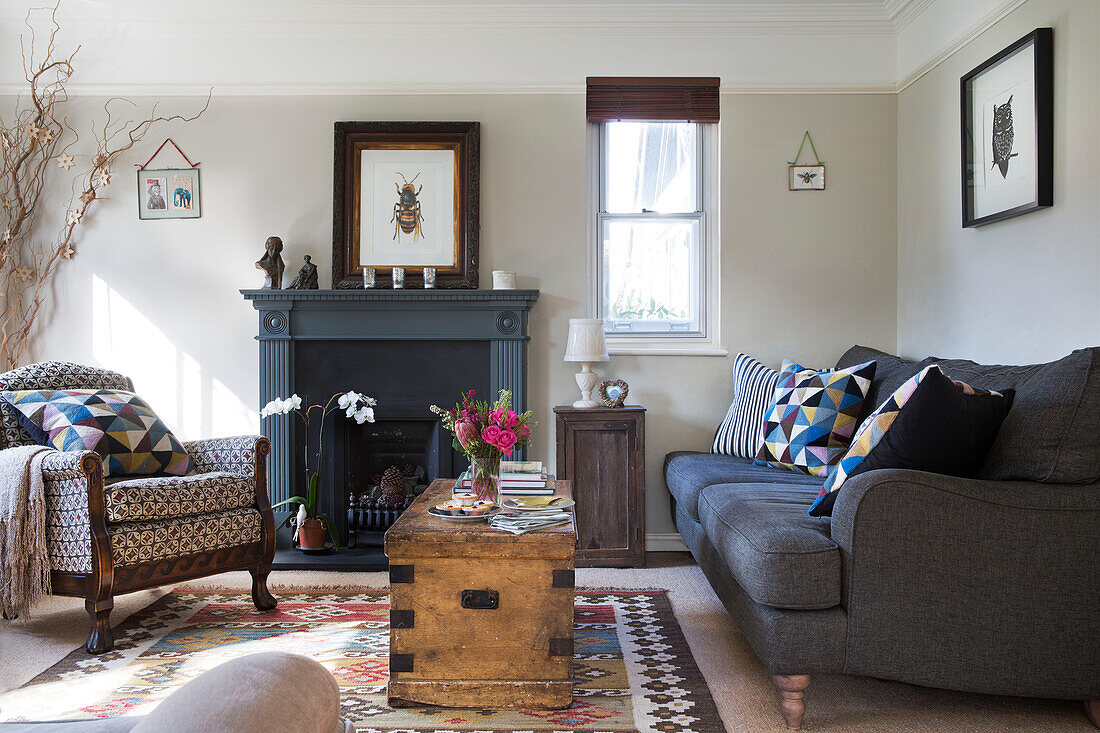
[(523, 431), (506, 441), (491, 434), (510, 420), (497, 416)]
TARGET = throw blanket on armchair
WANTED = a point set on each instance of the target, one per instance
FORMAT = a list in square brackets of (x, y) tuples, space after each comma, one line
[(24, 562)]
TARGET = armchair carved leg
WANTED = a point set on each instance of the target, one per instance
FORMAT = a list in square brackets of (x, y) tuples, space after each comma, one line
[(1092, 709), (100, 639), (792, 687), (261, 596)]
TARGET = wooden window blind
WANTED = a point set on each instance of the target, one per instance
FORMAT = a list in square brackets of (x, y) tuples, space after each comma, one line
[(678, 98)]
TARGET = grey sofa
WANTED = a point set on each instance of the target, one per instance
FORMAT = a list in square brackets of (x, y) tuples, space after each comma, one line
[(988, 584)]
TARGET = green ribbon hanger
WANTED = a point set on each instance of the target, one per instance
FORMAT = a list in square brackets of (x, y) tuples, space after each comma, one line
[(799, 153)]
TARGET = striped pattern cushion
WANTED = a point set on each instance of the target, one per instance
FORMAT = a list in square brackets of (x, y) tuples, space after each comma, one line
[(742, 432)]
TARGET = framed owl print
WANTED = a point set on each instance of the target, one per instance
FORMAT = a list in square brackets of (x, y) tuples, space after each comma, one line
[(1008, 132)]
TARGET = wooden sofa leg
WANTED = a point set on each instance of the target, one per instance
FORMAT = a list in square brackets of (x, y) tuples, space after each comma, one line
[(792, 687), (1092, 709), (261, 596), (100, 639)]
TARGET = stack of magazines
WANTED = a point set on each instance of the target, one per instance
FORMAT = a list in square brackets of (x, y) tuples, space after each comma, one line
[(517, 478), (523, 522)]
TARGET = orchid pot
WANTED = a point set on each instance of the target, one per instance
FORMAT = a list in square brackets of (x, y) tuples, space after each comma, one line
[(311, 525)]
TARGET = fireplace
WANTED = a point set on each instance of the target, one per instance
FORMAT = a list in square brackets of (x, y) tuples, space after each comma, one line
[(408, 349)]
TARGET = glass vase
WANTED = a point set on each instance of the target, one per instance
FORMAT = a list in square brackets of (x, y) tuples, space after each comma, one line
[(485, 478)]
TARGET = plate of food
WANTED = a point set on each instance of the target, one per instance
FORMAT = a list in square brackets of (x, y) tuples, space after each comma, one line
[(459, 511), (538, 503)]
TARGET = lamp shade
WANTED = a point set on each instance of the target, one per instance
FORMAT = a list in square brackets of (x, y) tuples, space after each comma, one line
[(586, 342)]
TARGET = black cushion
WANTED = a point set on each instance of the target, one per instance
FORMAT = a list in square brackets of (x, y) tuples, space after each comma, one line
[(688, 473), (890, 373), (780, 555)]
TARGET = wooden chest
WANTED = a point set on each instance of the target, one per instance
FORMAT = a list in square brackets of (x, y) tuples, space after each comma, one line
[(478, 617)]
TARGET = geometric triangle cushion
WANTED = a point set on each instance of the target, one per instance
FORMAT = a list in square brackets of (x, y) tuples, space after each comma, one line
[(930, 423), (812, 416), (117, 425)]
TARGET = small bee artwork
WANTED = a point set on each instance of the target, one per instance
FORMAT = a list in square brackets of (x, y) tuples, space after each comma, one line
[(806, 177), (406, 212)]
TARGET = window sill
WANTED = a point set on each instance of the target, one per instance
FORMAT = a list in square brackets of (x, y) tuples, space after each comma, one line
[(665, 349)]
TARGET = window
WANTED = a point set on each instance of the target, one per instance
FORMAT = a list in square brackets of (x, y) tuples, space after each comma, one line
[(653, 242)]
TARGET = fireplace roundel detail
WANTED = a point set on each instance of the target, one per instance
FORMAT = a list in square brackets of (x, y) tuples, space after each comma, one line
[(507, 322), (274, 322)]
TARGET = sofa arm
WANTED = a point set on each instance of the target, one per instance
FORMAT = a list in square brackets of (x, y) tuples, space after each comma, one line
[(973, 585), (238, 454), (73, 483)]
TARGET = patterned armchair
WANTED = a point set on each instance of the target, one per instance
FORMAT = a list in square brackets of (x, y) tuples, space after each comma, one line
[(127, 534)]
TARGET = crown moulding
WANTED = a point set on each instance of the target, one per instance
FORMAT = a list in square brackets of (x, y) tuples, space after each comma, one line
[(358, 20)]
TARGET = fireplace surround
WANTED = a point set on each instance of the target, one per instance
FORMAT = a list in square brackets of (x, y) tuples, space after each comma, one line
[(407, 348)]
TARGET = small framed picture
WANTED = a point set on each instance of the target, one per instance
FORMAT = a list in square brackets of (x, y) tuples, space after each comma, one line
[(806, 177), (1008, 132), (169, 193)]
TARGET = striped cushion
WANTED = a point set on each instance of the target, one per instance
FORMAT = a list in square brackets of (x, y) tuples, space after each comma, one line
[(741, 433)]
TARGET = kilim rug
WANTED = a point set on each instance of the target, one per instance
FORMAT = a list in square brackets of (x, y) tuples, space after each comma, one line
[(633, 668)]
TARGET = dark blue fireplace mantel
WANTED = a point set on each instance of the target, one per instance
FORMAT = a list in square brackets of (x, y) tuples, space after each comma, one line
[(289, 317)]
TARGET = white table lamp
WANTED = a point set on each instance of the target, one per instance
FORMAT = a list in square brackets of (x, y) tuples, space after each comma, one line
[(586, 345)]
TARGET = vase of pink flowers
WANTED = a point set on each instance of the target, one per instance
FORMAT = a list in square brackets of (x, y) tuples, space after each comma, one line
[(486, 434)]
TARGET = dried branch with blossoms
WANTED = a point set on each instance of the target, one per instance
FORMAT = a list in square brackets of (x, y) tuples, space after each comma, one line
[(35, 144)]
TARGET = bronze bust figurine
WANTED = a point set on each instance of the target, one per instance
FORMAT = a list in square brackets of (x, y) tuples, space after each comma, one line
[(272, 264), (306, 278)]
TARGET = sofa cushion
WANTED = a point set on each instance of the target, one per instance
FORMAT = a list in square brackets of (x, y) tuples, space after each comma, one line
[(742, 431), (688, 473), (163, 497), (780, 555), (165, 539), (1050, 435), (813, 416), (930, 423), (890, 372)]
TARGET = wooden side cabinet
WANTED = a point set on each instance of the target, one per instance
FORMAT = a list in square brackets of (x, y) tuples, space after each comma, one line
[(602, 452)]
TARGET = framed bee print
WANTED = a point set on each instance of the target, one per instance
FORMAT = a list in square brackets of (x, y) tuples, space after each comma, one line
[(406, 194), (1008, 132), (806, 177)]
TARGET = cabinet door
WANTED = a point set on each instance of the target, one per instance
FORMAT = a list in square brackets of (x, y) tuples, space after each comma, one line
[(600, 460)]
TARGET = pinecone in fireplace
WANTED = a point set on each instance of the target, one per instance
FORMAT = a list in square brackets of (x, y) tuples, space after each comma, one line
[(393, 482)]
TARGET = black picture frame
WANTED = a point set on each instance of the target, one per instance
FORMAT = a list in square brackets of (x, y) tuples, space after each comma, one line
[(1042, 39), (464, 138)]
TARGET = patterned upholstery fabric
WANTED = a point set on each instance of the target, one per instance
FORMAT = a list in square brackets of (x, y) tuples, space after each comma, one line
[(163, 497), (813, 417), (234, 455), (116, 424), (68, 534), (50, 375), (136, 542)]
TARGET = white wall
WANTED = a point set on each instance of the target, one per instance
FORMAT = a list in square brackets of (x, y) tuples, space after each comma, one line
[(1020, 290), (805, 274), (288, 45)]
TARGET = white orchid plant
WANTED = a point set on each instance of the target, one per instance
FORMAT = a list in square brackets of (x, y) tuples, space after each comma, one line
[(356, 406)]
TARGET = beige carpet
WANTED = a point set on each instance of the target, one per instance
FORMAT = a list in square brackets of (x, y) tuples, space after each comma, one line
[(741, 687)]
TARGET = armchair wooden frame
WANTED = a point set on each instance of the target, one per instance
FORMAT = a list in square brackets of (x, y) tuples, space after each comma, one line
[(105, 581)]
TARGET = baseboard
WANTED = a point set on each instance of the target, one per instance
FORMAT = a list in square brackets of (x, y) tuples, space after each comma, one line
[(664, 542)]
